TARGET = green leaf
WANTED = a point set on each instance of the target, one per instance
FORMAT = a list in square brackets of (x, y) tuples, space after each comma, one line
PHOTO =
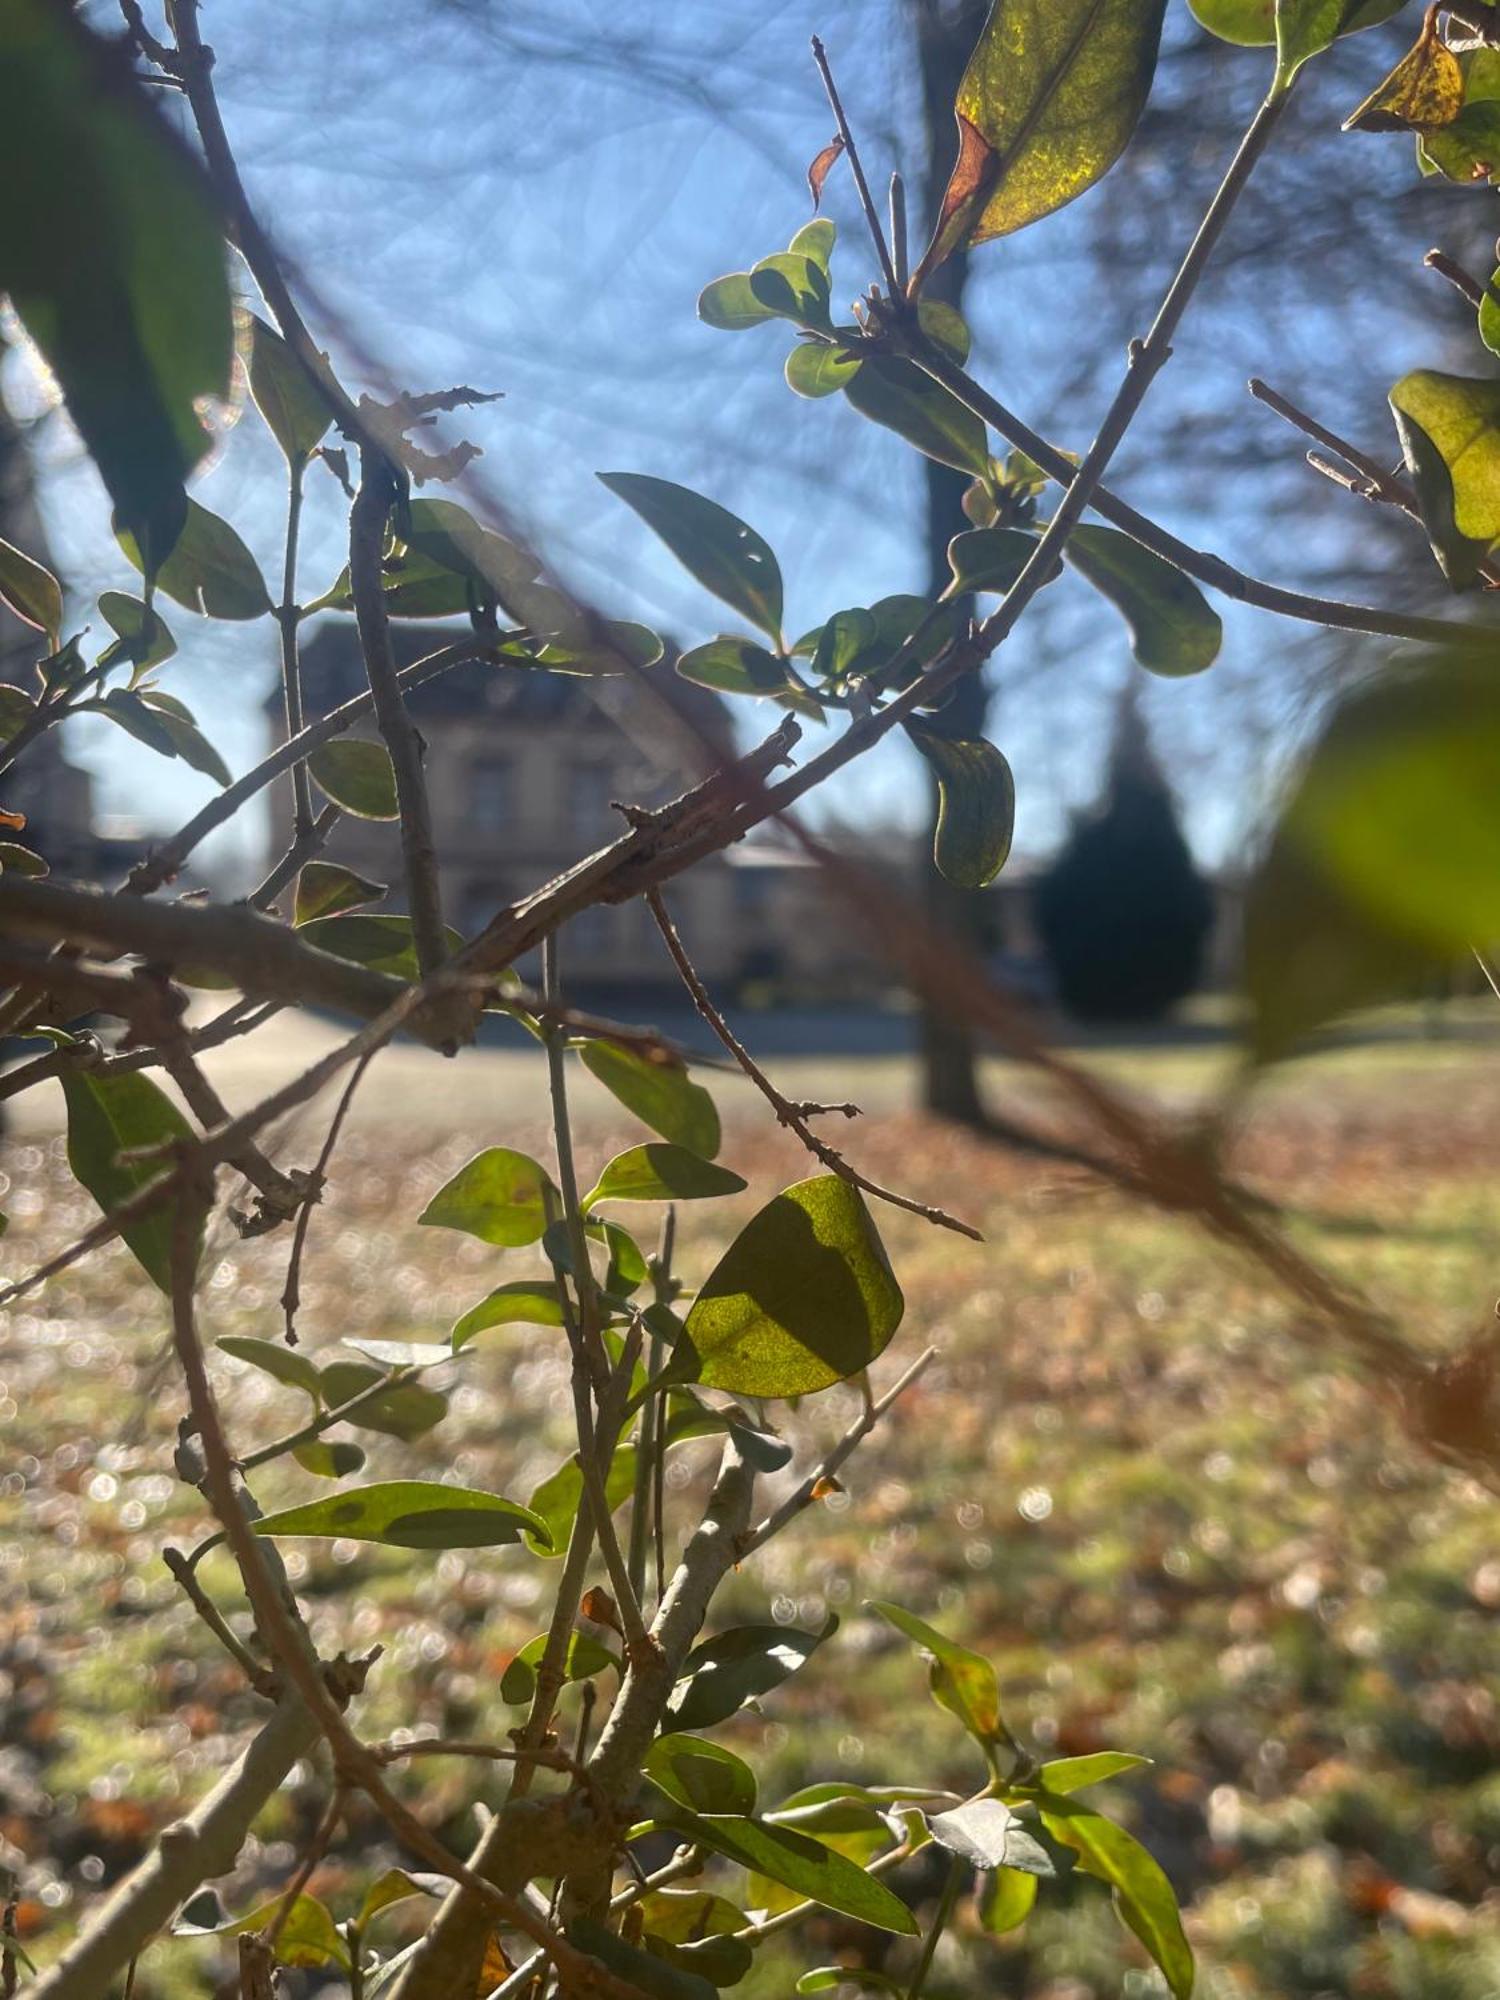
[(815, 239), (660, 1093), (396, 1885), (846, 638), (833, 1978), (284, 1364), (712, 544), (1071, 1774), (644, 1971), (324, 888), (584, 1658), (442, 532), (404, 1409), (730, 304), (526, 1302), (627, 1270), (947, 327), (182, 732), (803, 1297), (1304, 28), (1047, 104), (32, 592), (141, 636), (1468, 150), (18, 860), (962, 1682), (500, 1197), (976, 806), (1252, 23), (555, 1502), (309, 1935), (358, 776), (723, 1673), (209, 570), (1489, 315), (1007, 1901), (1174, 629), (16, 710), (814, 369), (733, 666), (383, 944), (409, 1514), (114, 260), (700, 1775), (402, 1353), (1386, 861), (296, 415), (661, 1173), (1449, 426), (898, 395), (1143, 1895), (797, 1862), (793, 287), (694, 1930), (111, 1115), (990, 559), (328, 1461), (987, 1834)]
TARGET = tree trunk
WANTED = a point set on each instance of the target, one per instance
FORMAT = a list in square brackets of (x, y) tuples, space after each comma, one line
[(945, 33)]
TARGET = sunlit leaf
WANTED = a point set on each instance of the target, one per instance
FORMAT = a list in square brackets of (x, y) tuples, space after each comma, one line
[(17, 708), (526, 1302), (661, 1173), (1047, 104), (284, 1364), (962, 1682), (442, 532), (660, 1092), (396, 1885), (730, 304), (18, 860), (1064, 1775), (644, 1972), (1252, 23), (822, 166), (1007, 1900), (325, 888), (1174, 630), (989, 559), (976, 806), (328, 1461), (409, 1514), (382, 944), (722, 1673), (834, 1978), (988, 1834), (815, 239), (846, 638), (111, 1115), (114, 260), (897, 394), (583, 1658), (1304, 28), (141, 636), (712, 544), (816, 1872), (1424, 90), (32, 592), (500, 1197), (694, 1930), (296, 415), (308, 1936), (701, 1775), (358, 776), (733, 666), (803, 1297), (1489, 315), (209, 570), (814, 369), (182, 732), (793, 287), (1449, 427), (1143, 1895), (556, 1500), (405, 1410)]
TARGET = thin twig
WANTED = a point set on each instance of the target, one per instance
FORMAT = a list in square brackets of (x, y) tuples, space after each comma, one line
[(185, 1573), (793, 1116), (317, 1848), (288, 619), (314, 1184), (851, 150), (1461, 280)]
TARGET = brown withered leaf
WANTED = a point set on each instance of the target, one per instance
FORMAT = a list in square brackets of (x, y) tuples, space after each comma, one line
[(1424, 92), (600, 1607), (12, 819), (824, 1487), (496, 1968), (974, 174), (822, 167)]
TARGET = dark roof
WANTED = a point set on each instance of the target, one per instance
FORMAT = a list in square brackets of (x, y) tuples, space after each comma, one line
[(333, 672)]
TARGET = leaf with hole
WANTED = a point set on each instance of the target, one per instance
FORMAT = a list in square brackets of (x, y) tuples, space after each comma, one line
[(661, 1093), (962, 1682), (500, 1196), (896, 394), (1174, 630), (114, 260), (721, 1674), (32, 592), (408, 1514), (296, 415), (661, 1173), (701, 1775), (112, 1115), (712, 544), (803, 1297), (1143, 1895), (1047, 104), (976, 806), (358, 776), (209, 570)]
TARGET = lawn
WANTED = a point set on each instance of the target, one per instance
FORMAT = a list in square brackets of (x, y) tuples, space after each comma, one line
[(1151, 1491)]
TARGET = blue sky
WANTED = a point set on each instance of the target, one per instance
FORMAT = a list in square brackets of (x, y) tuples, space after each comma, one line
[(528, 198)]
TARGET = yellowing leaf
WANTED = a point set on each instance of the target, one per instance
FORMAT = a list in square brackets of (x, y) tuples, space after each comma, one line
[(1424, 90), (1046, 106)]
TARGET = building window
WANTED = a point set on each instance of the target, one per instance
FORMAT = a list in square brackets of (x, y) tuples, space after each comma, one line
[(590, 788), (490, 800), (752, 891)]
